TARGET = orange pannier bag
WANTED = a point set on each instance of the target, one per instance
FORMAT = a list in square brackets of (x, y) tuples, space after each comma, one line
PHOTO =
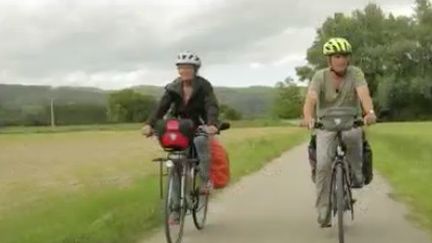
[(219, 168)]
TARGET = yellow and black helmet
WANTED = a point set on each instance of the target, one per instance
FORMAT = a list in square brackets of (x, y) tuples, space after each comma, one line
[(337, 46)]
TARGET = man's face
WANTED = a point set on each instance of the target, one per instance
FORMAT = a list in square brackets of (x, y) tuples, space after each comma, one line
[(186, 72), (339, 62)]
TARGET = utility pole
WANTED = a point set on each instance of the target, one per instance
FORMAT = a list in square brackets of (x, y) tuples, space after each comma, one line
[(52, 113)]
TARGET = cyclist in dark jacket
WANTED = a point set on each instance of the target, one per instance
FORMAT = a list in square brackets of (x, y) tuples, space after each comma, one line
[(190, 97)]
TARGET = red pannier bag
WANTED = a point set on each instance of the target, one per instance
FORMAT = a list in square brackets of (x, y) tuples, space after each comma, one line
[(175, 134), (219, 168)]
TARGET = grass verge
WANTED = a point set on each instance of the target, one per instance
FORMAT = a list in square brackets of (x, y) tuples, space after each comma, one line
[(402, 153), (131, 126), (124, 214)]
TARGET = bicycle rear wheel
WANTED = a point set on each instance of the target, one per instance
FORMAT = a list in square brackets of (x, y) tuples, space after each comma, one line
[(200, 202), (174, 203), (340, 202)]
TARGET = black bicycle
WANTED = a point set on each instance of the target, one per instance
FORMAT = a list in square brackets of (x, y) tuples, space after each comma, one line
[(340, 199), (182, 169)]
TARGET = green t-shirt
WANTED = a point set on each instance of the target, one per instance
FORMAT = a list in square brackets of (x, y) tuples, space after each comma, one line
[(346, 96)]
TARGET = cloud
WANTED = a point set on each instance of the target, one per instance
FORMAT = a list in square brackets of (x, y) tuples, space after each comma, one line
[(116, 43), (288, 59), (256, 65)]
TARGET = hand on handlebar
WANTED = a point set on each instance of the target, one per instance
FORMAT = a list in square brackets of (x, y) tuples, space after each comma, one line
[(147, 131), (211, 130), (370, 119), (319, 125), (308, 123)]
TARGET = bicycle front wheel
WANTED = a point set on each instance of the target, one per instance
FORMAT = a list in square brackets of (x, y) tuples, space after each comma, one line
[(175, 208), (340, 202)]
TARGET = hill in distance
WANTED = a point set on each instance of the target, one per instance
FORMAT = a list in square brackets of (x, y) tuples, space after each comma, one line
[(255, 101)]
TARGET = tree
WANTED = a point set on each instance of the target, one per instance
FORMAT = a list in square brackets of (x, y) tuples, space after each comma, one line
[(129, 106), (305, 73), (69, 114), (289, 100), (229, 113)]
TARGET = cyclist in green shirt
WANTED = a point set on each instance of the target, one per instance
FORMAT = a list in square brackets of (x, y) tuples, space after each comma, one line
[(340, 85)]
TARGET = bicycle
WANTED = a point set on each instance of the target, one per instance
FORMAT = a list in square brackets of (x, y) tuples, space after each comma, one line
[(341, 199), (183, 166)]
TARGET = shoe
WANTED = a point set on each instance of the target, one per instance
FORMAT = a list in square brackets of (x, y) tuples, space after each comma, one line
[(324, 218), (206, 188), (357, 185), (174, 219)]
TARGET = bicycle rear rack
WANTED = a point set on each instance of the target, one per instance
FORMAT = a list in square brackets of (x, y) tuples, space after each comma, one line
[(161, 162)]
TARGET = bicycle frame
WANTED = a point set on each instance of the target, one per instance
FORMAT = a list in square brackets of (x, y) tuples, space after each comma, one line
[(340, 160), (340, 156), (177, 160), (192, 154)]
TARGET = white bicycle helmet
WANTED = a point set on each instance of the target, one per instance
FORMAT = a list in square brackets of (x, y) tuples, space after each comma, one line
[(188, 57)]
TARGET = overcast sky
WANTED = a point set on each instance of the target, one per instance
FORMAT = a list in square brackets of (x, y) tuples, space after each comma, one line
[(115, 44)]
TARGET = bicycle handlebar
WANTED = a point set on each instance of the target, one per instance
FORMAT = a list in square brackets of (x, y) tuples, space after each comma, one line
[(357, 123), (200, 131), (222, 127)]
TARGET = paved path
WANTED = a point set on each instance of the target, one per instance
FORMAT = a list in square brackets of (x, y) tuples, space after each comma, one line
[(276, 204)]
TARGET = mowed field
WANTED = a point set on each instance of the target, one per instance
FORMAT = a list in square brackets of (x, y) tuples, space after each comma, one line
[(36, 163), (403, 154), (101, 186)]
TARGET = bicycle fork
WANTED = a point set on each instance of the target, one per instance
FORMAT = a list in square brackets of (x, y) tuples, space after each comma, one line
[(186, 180), (340, 157)]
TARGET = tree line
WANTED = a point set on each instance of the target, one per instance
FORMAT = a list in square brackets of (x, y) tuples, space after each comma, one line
[(124, 106)]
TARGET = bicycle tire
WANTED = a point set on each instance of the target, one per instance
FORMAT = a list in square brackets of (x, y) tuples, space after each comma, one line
[(340, 197), (177, 238)]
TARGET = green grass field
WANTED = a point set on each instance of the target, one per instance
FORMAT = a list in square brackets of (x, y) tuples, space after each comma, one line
[(71, 128), (100, 186), (133, 126), (403, 154)]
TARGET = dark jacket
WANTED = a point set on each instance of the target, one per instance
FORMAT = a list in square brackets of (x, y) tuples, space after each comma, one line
[(202, 104)]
